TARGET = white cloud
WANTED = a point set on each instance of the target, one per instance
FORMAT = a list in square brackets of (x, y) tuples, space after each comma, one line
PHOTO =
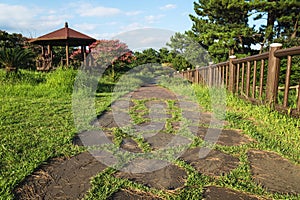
[(88, 10), (100, 36), (132, 26), (133, 13), (153, 18), (168, 7), (144, 38), (15, 16), (85, 27), (30, 21)]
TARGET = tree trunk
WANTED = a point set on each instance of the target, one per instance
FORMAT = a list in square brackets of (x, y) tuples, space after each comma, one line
[(270, 26), (294, 34), (242, 43), (10, 69)]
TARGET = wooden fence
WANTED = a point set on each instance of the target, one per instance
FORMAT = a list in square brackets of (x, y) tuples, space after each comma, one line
[(255, 78)]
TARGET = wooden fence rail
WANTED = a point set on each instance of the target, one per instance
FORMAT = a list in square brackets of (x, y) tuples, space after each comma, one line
[(243, 76)]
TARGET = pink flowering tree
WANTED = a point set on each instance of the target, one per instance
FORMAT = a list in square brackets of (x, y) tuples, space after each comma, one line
[(111, 54)]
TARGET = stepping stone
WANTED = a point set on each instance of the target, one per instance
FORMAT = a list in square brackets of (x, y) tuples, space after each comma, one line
[(132, 195), (149, 104), (169, 177), (210, 162), (106, 120), (206, 118), (122, 104), (111, 119), (130, 145), (151, 126), (153, 91), (188, 105), (92, 138), (192, 116), (222, 136), (219, 193), (61, 179), (164, 140), (274, 172)]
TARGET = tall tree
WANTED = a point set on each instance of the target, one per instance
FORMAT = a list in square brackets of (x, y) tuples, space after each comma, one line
[(221, 27), (282, 19), (147, 56), (12, 40), (188, 47)]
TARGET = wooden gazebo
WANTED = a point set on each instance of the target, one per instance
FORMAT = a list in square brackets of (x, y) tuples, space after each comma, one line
[(62, 37)]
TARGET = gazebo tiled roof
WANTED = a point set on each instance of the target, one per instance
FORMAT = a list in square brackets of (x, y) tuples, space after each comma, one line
[(62, 36)]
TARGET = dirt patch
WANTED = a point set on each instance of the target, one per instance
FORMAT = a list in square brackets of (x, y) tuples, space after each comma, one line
[(169, 178), (219, 193), (215, 163), (132, 195), (61, 179), (274, 172)]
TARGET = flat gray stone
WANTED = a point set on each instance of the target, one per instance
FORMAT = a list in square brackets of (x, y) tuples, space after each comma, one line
[(210, 162), (61, 179), (170, 177), (219, 193), (274, 172), (132, 195), (221, 136)]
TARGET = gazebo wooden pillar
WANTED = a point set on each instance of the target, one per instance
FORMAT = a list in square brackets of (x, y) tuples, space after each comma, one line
[(67, 53), (63, 37)]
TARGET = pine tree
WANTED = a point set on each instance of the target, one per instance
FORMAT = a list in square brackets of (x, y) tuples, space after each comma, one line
[(282, 20), (187, 47), (221, 26)]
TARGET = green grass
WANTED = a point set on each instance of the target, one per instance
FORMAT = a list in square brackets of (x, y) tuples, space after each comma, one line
[(37, 123), (273, 131)]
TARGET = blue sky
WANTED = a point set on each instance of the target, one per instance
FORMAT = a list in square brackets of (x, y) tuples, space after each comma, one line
[(97, 18)]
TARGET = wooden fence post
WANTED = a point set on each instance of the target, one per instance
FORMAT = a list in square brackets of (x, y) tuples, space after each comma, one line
[(188, 74), (197, 75), (273, 74), (210, 74), (232, 74)]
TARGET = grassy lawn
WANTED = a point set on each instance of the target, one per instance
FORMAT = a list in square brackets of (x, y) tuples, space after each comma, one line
[(36, 123)]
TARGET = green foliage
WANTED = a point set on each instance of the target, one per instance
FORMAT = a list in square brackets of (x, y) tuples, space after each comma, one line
[(11, 40), (14, 58), (221, 27), (185, 46), (58, 53), (146, 56), (282, 19), (61, 80)]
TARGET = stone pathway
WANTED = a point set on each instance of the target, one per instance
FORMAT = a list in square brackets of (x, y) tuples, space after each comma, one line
[(70, 178)]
